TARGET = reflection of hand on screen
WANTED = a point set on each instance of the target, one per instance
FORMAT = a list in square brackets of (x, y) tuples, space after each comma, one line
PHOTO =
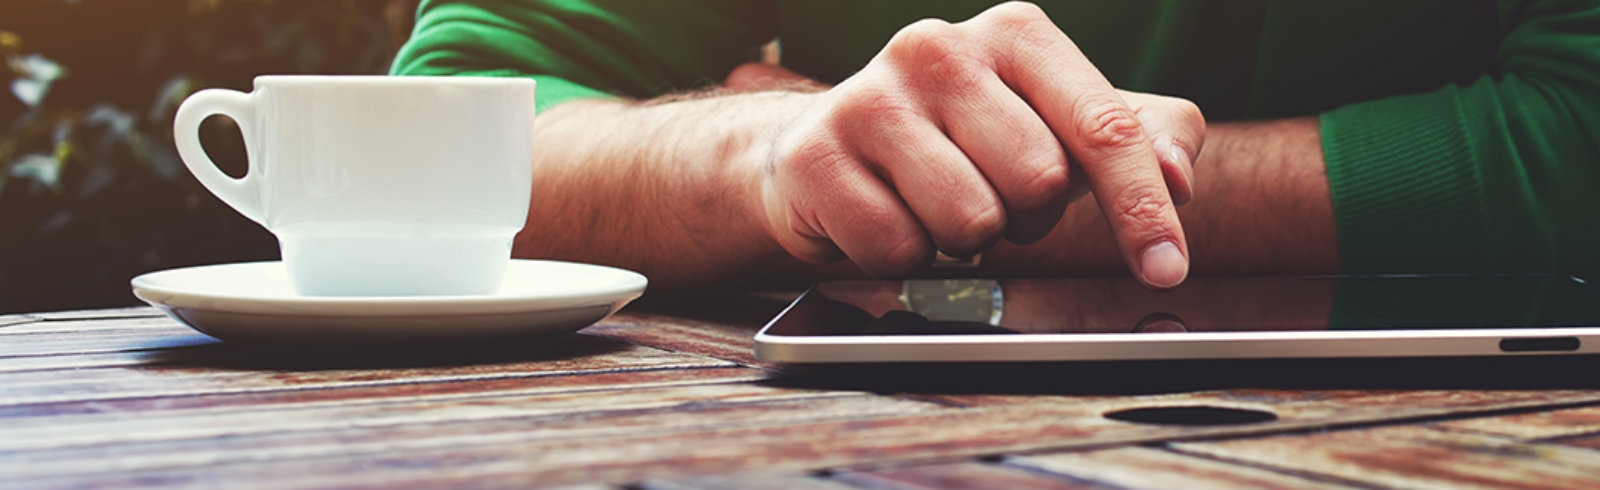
[(1121, 305)]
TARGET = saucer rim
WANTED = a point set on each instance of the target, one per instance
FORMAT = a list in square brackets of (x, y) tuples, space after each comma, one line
[(630, 285)]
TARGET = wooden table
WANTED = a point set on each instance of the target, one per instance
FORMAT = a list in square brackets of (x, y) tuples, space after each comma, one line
[(668, 396)]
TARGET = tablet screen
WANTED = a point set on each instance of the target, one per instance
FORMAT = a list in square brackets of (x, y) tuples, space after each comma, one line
[(1201, 304)]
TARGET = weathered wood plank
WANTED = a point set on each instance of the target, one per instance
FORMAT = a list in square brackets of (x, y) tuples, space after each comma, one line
[(1549, 424), (345, 431), (746, 481), (600, 411), (630, 452), (1414, 457), (76, 361), (1581, 442), (90, 343), (964, 433), (719, 446), (1141, 468), (82, 329), (551, 382), (1354, 407), (100, 314), (14, 320), (1309, 407), (711, 339), (224, 369), (585, 438), (977, 476), (1334, 377), (721, 325), (373, 407), (89, 339)]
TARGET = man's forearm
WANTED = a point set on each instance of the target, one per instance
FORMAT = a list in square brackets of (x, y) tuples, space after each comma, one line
[(1261, 206), (659, 187)]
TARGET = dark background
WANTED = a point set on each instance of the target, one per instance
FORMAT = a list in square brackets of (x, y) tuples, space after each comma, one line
[(91, 190)]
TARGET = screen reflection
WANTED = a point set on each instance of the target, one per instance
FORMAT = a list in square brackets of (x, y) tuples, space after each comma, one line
[(1122, 305)]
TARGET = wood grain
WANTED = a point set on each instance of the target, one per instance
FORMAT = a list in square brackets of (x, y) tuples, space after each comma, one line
[(757, 440), (14, 320), (710, 339), (669, 396), (79, 361), (94, 343), (747, 481), (576, 418), (269, 400), (1581, 442), (374, 407), (584, 443), (1414, 457), (1544, 424), (99, 314), (977, 476), (1301, 409), (805, 444), (81, 329), (722, 325), (1149, 468), (225, 369)]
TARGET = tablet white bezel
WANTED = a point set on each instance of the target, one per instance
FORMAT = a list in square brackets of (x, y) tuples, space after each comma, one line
[(1389, 343)]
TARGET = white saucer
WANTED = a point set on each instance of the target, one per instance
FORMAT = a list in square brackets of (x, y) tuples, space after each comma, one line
[(254, 302)]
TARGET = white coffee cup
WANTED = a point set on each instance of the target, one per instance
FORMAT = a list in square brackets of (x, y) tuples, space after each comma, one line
[(378, 186)]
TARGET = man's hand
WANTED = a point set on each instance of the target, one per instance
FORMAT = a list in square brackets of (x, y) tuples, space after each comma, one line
[(958, 135)]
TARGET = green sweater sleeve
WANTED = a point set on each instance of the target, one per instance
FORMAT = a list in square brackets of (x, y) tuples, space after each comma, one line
[(633, 48), (1499, 174)]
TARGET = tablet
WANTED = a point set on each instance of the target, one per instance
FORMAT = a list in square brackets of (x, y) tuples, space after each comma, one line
[(1102, 319)]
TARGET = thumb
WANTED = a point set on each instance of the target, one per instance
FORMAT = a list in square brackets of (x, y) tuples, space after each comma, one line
[(1178, 130), (762, 76)]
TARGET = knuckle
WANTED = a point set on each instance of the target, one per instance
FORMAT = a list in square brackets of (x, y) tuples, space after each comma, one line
[(863, 96), (1105, 123), (1048, 182), (955, 71), (1144, 207), (1016, 14), (977, 230), (1190, 112), (869, 100), (1181, 111), (903, 256), (922, 39), (1024, 24), (870, 104), (1196, 119), (938, 55)]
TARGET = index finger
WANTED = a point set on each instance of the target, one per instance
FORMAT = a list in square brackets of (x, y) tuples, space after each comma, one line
[(1101, 134)]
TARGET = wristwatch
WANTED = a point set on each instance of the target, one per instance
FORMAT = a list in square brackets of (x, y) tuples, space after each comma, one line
[(970, 300)]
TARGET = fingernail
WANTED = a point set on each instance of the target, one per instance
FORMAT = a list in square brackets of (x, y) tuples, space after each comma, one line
[(1163, 266)]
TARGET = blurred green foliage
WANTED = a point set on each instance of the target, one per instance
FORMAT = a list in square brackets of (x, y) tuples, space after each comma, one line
[(91, 189)]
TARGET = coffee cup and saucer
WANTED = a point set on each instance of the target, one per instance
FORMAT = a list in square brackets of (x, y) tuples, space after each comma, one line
[(395, 201)]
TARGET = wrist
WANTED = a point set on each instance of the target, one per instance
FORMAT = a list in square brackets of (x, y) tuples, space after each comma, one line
[(771, 137)]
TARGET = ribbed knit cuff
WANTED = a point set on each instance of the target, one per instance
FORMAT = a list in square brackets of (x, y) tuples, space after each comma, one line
[(1407, 195), (555, 90)]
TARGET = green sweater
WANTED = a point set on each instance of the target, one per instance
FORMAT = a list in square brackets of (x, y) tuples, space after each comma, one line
[(1459, 135)]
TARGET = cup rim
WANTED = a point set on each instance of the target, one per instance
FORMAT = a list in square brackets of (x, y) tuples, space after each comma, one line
[(264, 80)]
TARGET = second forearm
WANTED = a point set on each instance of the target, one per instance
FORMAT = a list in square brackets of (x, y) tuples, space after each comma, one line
[(1261, 205), (661, 187)]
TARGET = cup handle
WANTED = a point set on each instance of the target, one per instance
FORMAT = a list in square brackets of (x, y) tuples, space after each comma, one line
[(241, 193)]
